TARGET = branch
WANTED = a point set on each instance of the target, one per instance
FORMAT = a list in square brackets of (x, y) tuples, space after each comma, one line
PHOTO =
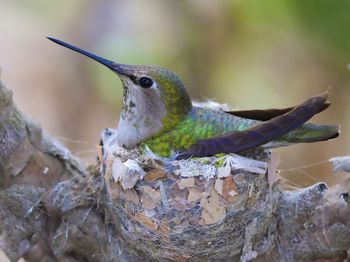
[(134, 206), (48, 203)]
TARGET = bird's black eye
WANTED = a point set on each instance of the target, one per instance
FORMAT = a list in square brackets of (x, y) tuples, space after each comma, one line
[(146, 82)]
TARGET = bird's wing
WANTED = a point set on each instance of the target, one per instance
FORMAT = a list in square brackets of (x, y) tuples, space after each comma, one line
[(267, 114), (234, 142)]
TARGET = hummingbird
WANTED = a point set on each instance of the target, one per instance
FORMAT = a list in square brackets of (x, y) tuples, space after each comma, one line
[(157, 112)]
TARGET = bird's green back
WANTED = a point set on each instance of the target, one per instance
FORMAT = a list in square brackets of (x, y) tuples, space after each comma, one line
[(203, 123), (200, 123)]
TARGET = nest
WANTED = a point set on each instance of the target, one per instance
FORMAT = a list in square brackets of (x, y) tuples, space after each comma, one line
[(188, 209)]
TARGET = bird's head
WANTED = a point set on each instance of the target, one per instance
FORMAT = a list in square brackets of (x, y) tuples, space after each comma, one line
[(154, 98)]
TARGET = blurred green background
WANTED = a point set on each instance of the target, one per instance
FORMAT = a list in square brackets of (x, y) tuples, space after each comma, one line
[(248, 53)]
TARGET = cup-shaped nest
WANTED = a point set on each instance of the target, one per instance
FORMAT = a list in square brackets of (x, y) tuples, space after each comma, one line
[(196, 209)]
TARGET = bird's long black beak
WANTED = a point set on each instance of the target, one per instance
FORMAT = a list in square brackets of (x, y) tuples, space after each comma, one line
[(116, 67)]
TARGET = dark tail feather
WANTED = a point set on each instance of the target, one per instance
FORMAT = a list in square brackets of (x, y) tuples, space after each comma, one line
[(267, 114), (258, 135)]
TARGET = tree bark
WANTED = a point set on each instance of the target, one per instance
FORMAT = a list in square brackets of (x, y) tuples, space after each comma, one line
[(132, 206)]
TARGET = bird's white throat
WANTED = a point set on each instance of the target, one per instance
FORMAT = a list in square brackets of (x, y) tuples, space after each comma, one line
[(141, 116)]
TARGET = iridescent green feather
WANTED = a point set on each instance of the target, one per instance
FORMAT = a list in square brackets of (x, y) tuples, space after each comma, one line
[(199, 124), (205, 123)]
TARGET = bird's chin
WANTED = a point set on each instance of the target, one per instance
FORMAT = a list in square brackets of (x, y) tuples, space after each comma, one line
[(127, 138)]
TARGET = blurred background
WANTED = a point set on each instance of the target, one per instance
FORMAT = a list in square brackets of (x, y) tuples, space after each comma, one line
[(249, 54)]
